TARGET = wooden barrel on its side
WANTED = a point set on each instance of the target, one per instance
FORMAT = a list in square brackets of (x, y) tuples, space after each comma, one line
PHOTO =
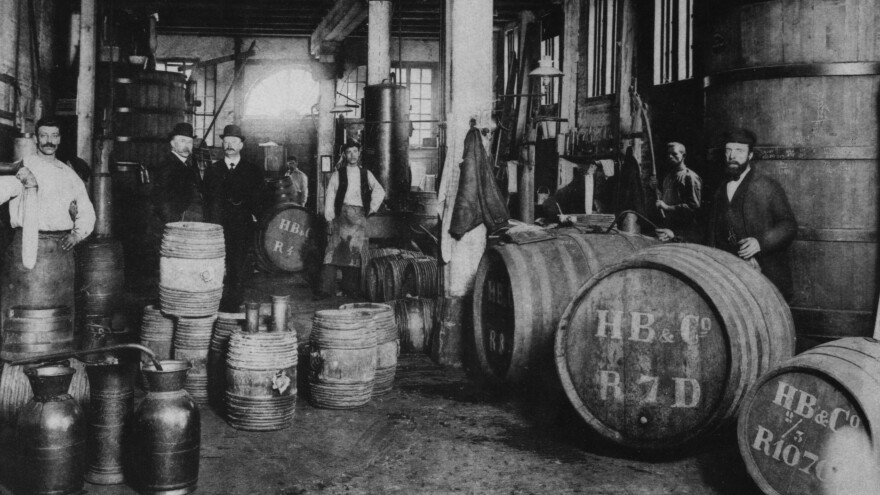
[(659, 350), (285, 240), (342, 359), (191, 269), (415, 319), (422, 278), (811, 424), (813, 106), (367, 256), (520, 292)]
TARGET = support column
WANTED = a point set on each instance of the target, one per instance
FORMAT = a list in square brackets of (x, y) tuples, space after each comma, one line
[(468, 53), (85, 85), (326, 137), (379, 41)]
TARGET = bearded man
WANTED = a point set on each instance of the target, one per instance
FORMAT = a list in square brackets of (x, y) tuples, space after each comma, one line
[(751, 216)]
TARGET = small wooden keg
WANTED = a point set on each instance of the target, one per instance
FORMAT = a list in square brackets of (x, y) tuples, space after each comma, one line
[(387, 344), (342, 366), (191, 269)]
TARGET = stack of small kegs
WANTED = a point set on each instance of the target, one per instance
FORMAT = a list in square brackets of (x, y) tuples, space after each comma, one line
[(191, 270), (261, 370)]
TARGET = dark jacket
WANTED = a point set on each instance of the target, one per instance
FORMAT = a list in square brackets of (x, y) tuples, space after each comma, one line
[(759, 209), (478, 199), (231, 196), (176, 188)]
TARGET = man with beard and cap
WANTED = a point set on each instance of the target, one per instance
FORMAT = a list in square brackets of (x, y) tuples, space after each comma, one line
[(751, 216), (178, 189), (680, 195), (51, 212), (234, 190)]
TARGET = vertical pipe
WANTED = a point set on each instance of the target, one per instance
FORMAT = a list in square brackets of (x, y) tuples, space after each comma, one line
[(326, 136), (379, 41), (85, 101)]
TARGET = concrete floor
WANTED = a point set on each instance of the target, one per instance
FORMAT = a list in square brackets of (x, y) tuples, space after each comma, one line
[(437, 432)]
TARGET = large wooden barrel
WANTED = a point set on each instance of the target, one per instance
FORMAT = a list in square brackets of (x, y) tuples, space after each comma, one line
[(660, 349), (387, 344), (261, 380), (520, 292), (191, 269), (192, 338), (367, 255), (100, 277), (805, 77), (811, 424), (342, 360), (145, 108), (375, 273), (285, 240)]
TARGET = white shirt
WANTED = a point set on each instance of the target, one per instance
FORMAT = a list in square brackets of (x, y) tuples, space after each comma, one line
[(353, 193), (181, 157), (231, 163), (733, 185), (57, 187)]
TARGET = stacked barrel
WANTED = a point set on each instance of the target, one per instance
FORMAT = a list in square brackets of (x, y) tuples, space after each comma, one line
[(342, 358), (191, 268), (192, 337), (387, 343), (225, 325), (261, 362)]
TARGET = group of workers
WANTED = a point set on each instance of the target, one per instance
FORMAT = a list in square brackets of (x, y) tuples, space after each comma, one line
[(749, 216)]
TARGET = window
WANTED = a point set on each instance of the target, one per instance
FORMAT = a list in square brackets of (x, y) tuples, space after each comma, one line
[(420, 81), (602, 39), (206, 92), (673, 40), (350, 90), (511, 56), (551, 92), (288, 93)]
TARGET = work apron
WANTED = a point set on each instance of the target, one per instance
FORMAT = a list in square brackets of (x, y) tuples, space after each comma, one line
[(348, 239)]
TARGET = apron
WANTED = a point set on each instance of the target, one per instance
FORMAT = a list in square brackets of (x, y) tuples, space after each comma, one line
[(349, 238)]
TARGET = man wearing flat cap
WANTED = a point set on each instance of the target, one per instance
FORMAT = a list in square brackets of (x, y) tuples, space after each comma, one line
[(234, 187), (178, 190)]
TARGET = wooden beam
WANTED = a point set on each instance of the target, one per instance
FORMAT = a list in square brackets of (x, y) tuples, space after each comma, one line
[(343, 18)]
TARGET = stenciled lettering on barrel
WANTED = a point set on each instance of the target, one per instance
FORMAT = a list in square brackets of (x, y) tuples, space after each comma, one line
[(649, 366), (498, 318), (792, 423)]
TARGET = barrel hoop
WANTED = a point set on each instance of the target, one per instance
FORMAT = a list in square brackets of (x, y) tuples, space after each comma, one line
[(523, 309), (793, 70), (837, 235), (804, 153)]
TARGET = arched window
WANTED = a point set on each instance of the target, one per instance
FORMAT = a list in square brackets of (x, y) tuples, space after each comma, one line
[(286, 93)]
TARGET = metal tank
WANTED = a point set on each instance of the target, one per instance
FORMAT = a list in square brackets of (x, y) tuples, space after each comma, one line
[(386, 140)]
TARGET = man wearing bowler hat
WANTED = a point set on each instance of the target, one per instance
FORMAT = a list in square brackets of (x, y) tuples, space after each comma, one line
[(233, 193), (751, 216), (178, 189)]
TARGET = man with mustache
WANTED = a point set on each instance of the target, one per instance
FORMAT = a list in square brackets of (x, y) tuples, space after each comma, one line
[(299, 180), (51, 212), (178, 189), (234, 186), (681, 193)]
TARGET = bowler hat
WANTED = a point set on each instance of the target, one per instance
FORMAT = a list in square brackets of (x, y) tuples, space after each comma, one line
[(232, 131), (740, 135), (181, 129)]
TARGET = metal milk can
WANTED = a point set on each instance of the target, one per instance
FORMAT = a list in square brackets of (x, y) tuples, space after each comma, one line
[(112, 399), (51, 434), (166, 433)]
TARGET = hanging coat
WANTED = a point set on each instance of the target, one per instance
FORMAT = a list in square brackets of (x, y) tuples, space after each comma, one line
[(479, 201)]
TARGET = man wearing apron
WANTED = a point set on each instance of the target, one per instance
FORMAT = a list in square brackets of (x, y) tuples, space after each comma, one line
[(353, 193), (50, 210)]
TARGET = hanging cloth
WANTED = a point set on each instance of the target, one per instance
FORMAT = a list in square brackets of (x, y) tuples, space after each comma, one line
[(29, 213)]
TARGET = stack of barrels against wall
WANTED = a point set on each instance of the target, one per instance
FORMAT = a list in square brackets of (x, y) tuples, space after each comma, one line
[(410, 282)]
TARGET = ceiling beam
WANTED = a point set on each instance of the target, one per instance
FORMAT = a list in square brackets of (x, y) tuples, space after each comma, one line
[(343, 18)]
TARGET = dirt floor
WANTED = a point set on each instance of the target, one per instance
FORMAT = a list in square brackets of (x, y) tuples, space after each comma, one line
[(437, 432)]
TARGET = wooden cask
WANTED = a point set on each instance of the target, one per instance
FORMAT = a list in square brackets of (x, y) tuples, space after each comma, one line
[(808, 426), (191, 269), (521, 290), (805, 77), (342, 359), (285, 240), (658, 350)]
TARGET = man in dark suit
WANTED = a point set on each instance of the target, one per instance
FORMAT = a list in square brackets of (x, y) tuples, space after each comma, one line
[(751, 216), (178, 189), (234, 191)]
